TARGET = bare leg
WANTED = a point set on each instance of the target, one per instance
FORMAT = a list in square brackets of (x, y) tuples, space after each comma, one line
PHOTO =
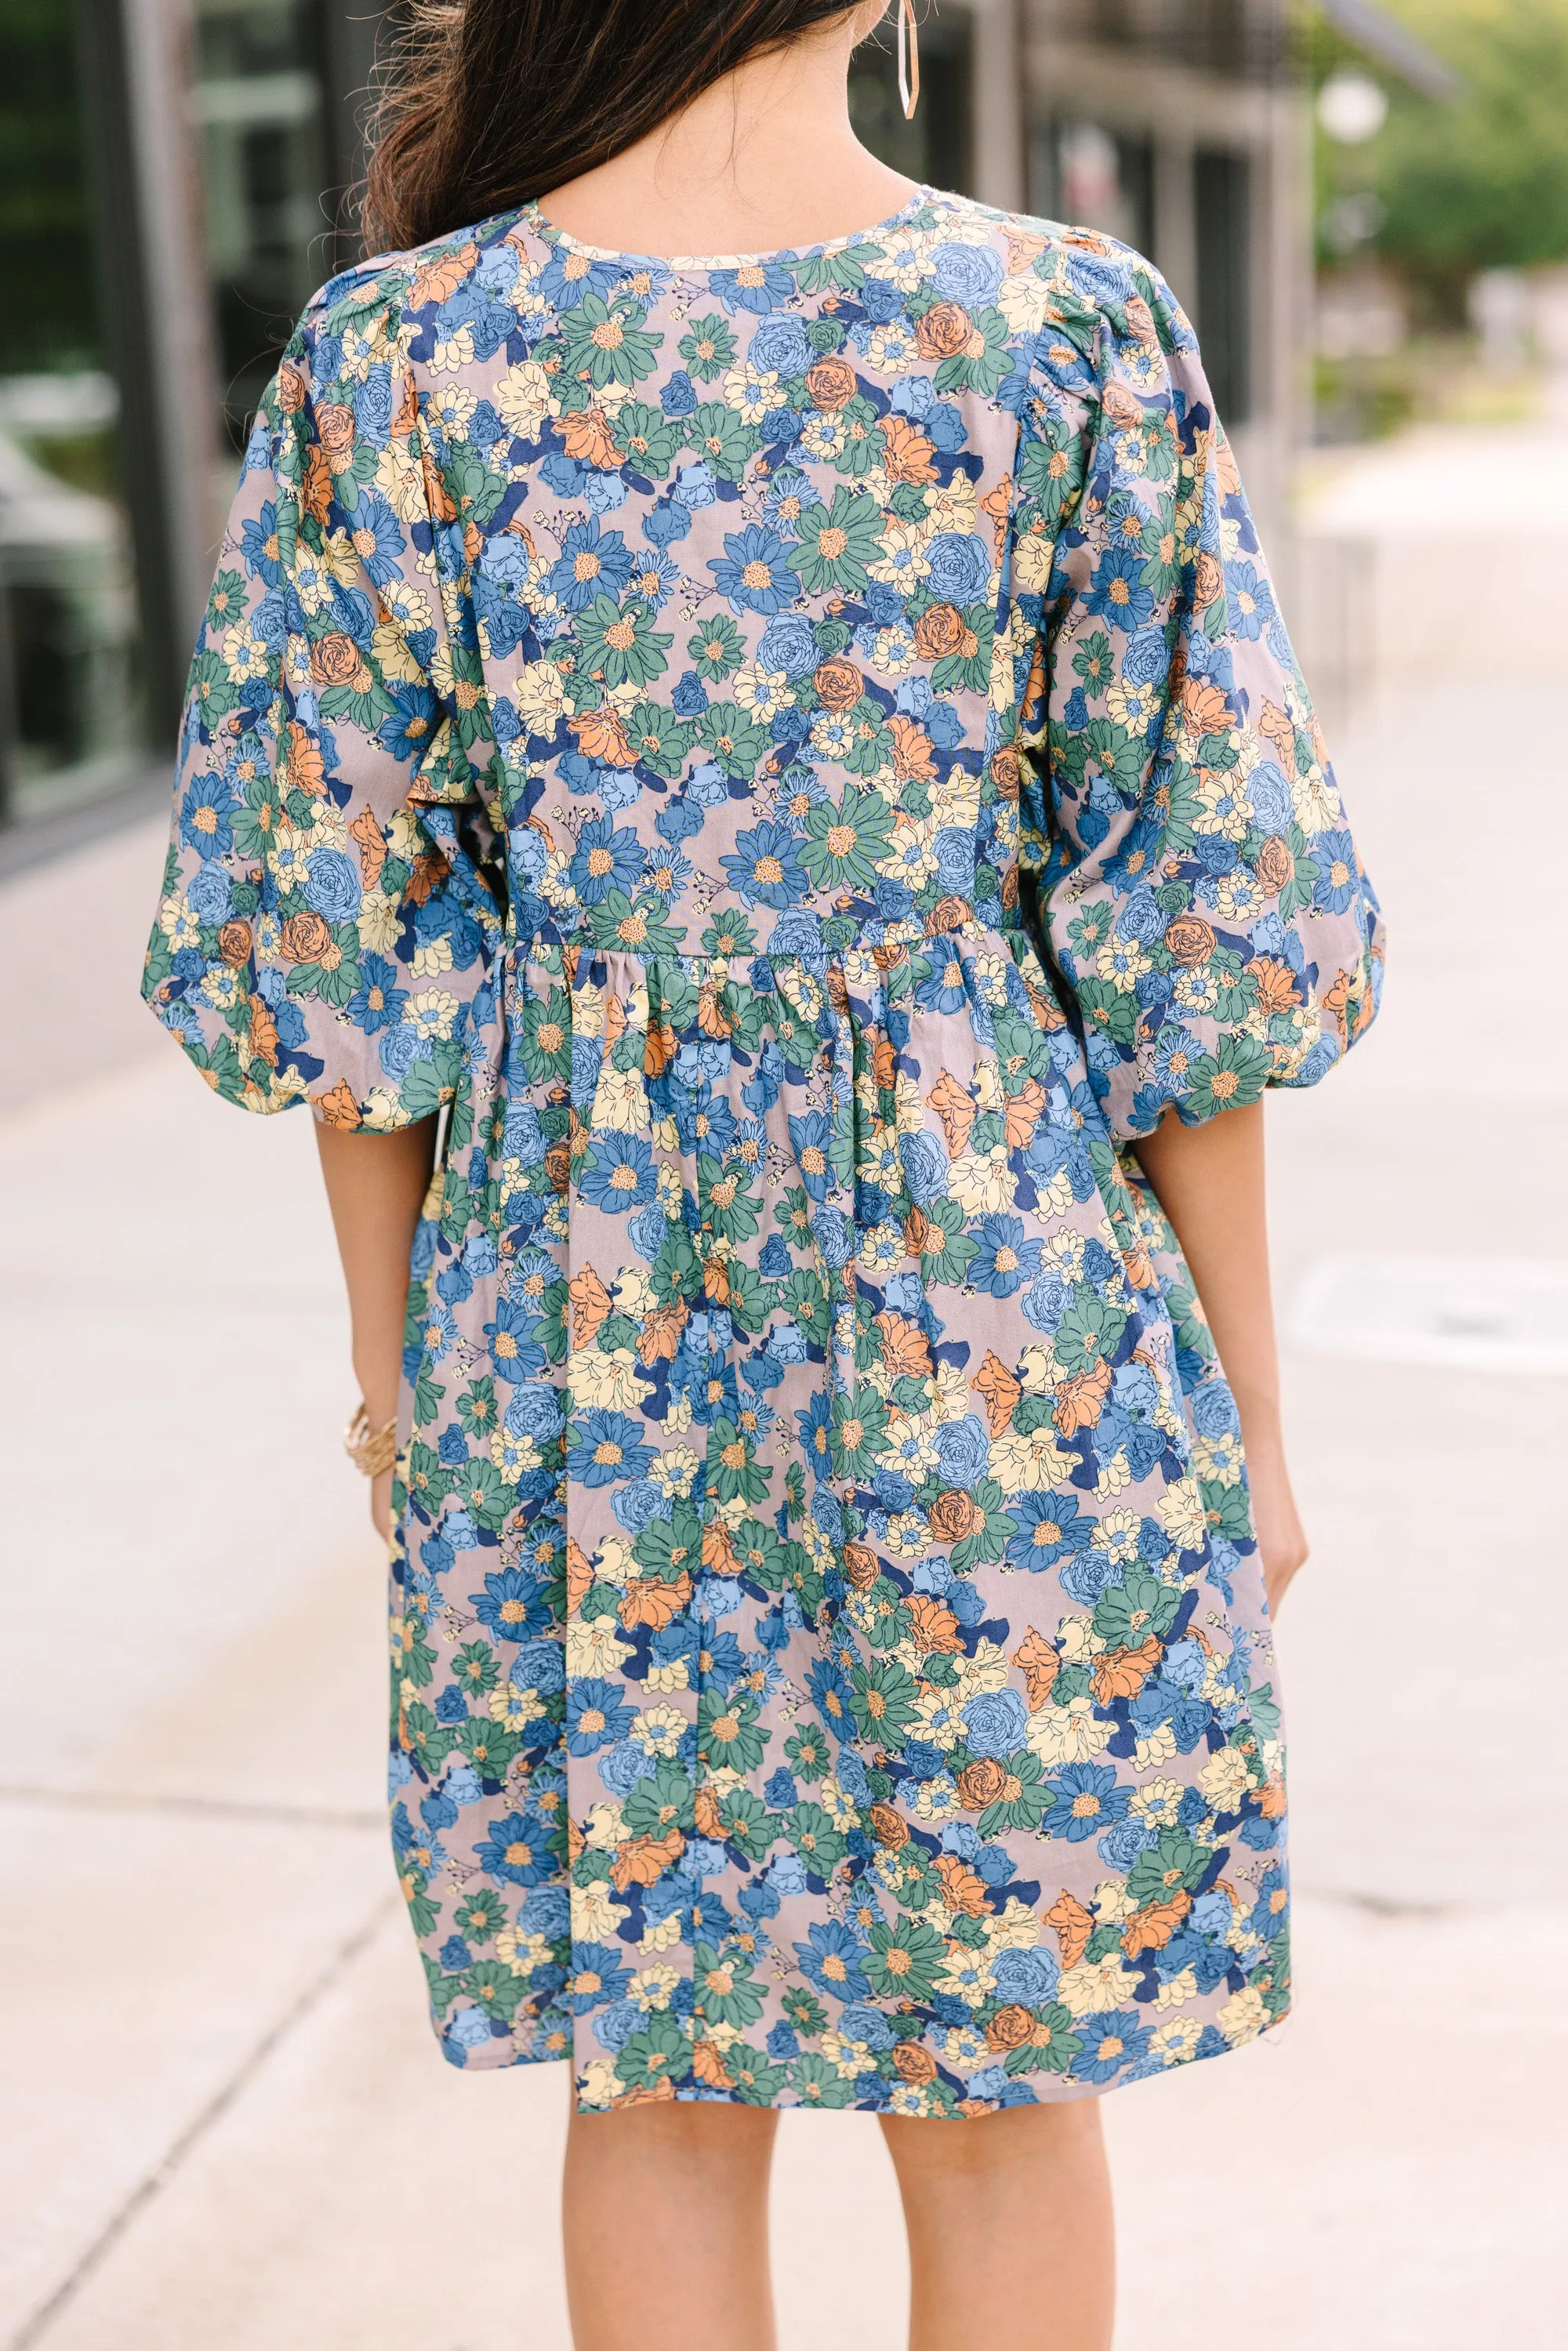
[(1011, 2246), (665, 2215)]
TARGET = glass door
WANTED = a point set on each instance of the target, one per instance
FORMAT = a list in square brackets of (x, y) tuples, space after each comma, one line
[(70, 701)]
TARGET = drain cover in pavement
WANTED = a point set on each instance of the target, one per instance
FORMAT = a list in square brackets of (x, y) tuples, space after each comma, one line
[(1474, 1314)]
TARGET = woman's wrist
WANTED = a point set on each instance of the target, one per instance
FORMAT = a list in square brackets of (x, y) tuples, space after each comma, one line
[(1262, 1429), (378, 1383)]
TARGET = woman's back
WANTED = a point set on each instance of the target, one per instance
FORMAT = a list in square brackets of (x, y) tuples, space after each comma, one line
[(716, 586), (798, 756)]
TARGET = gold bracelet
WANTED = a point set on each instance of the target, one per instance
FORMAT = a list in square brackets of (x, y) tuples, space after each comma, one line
[(370, 1451)]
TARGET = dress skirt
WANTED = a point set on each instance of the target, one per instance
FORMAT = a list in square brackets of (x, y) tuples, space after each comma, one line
[(795, 760)]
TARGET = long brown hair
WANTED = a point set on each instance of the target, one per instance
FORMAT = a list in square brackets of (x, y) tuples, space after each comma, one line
[(489, 102)]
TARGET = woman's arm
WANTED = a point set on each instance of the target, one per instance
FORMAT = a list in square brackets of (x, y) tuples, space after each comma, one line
[(1208, 1179), (375, 1185)]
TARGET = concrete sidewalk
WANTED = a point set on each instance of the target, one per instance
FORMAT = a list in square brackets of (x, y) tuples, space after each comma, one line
[(228, 2128)]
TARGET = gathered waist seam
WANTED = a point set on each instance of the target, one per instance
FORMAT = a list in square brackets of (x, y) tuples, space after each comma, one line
[(952, 919)]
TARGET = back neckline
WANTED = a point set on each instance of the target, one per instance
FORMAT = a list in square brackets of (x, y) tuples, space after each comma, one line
[(548, 231)]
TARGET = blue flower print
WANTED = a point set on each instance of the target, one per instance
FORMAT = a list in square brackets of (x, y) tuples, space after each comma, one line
[(619, 1174), (568, 275), (539, 1665), (943, 987), (205, 815), (1118, 593), (780, 346), (765, 866), (598, 1975), (378, 999), (259, 546), (512, 1605), (695, 486), (754, 571), (760, 285), (1248, 599), (959, 566), (211, 894), (515, 1352), (596, 1715), (607, 857), (606, 1447), (997, 1723), (411, 723), (378, 537), (788, 644), (333, 885), (591, 562), (812, 1141), (831, 1958), (969, 274), (1111, 2042), (793, 1344), (1004, 1260), (518, 1850), (832, 1692), (1030, 1978), (1048, 1529), (963, 1449), (1087, 1800), (1339, 871)]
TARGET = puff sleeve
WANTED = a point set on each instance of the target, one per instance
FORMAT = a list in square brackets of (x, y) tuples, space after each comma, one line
[(328, 927), (1198, 893)]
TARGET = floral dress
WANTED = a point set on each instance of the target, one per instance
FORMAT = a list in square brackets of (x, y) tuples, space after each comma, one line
[(795, 759)]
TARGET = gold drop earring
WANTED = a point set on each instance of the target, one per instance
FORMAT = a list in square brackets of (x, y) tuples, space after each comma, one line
[(908, 58)]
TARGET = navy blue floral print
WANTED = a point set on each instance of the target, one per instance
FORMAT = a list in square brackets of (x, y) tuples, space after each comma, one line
[(797, 761)]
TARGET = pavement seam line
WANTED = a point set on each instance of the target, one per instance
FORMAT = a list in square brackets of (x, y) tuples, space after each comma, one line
[(1379, 1905), (148, 2189), (104, 1800)]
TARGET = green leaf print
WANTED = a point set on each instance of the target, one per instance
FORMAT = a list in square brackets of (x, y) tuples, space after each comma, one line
[(734, 738), (648, 440), (708, 347), (606, 342), (838, 543), (715, 649), (820, 1844), (722, 439), (843, 844), (662, 1802), (903, 1960), (490, 1747)]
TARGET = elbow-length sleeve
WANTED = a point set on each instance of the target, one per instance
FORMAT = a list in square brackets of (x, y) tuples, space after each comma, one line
[(327, 925), (1199, 893)]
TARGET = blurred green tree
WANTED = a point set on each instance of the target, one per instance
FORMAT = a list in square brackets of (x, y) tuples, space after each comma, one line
[(1480, 182)]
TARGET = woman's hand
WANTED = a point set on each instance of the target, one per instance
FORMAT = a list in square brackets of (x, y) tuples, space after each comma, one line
[(1282, 1538), (375, 1186), (1208, 1179)]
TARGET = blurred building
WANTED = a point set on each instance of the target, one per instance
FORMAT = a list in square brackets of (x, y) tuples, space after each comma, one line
[(174, 183)]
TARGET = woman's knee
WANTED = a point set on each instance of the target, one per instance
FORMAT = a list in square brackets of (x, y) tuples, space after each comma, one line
[(681, 2136), (935, 2150)]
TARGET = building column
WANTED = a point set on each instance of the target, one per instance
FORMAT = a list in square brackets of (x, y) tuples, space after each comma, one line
[(1176, 217), (147, 190), (998, 102), (347, 36)]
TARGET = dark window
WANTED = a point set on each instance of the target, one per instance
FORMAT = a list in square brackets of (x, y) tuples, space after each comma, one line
[(70, 718), (1239, 40), (1222, 196), (258, 100), (1091, 177), (936, 148)]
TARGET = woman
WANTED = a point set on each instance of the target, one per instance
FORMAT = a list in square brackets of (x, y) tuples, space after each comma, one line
[(765, 801)]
